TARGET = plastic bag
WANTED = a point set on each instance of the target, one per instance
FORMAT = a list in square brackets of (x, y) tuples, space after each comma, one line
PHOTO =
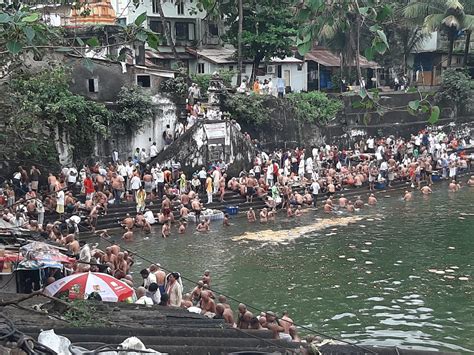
[(55, 342)]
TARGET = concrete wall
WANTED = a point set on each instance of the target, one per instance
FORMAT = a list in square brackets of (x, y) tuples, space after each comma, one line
[(110, 78), (152, 131)]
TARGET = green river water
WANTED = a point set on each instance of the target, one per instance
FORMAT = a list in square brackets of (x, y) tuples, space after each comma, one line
[(370, 282)]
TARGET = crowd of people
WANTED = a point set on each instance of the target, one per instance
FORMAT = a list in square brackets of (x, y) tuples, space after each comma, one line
[(285, 179)]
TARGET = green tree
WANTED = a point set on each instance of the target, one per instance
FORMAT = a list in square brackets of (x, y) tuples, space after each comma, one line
[(343, 28), (268, 29), (43, 100), (448, 16), (314, 106), (457, 89), (134, 106)]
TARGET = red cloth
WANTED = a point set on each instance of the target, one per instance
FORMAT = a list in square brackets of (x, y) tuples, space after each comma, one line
[(89, 185)]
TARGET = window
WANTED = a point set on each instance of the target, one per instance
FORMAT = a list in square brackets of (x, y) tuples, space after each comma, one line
[(213, 30), (181, 30), (180, 7), (143, 81), (231, 68), (155, 5), (156, 26), (93, 85), (244, 69), (200, 68), (300, 67), (121, 21)]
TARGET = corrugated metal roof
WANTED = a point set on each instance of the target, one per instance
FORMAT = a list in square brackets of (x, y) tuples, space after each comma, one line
[(152, 54), (329, 59)]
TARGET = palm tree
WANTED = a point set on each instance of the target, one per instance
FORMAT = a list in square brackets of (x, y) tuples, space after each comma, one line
[(448, 16)]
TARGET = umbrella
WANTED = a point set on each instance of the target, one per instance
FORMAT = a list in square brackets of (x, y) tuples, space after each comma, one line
[(108, 287)]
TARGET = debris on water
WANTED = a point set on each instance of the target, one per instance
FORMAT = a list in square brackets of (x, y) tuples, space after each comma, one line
[(352, 246), (452, 248), (368, 262), (461, 218), (369, 219), (364, 251), (342, 256), (334, 229), (454, 267), (399, 261), (146, 238), (449, 277), (463, 278), (362, 226), (449, 270), (440, 272), (368, 243), (368, 272), (351, 259), (432, 270)]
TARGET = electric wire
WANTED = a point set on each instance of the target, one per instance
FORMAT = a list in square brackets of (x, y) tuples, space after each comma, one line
[(132, 252)]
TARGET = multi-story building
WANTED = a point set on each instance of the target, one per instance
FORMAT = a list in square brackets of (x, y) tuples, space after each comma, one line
[(431, 57)]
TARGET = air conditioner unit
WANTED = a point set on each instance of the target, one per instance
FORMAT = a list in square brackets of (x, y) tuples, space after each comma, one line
[(271, 69)]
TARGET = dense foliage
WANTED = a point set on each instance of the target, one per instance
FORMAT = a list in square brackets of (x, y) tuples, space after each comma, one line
[(252, 109), (268, 29), (177, 87), (134, 106), (44, 101), (457, 88), (314, 106), (310, 107)]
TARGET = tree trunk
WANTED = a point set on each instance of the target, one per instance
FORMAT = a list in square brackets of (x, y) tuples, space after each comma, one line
[(239, 45), (451, 47), (357, 54), (169, 38), (466, 47)]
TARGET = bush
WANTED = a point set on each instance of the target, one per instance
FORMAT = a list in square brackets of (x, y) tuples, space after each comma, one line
[(134, 106), (251, 109), (177, 87), (314, 106), (457, 87)]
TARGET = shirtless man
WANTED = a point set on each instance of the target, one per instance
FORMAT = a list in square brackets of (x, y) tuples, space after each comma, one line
[(372, 201), (426, 190), (342, 201), (201, 227), (225, 313), (185, 199), (109, 257), (251, 215), (196, 294), (226, 221), (166, 229), (128, 235), (264, 215), (358, 203), (207, 304), (251, 184), (408, 196), (160, 276), (327, 207), (206, 278), (470, 182), (222, 187), (182, 227), (139, 220), (120, 266), (183, 212), (286, 322), (274, 325), (289, 212), (453, 186), (350, 207), (196, 207), (128, 222), (72, 244), (298, 212), (186, 301)]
